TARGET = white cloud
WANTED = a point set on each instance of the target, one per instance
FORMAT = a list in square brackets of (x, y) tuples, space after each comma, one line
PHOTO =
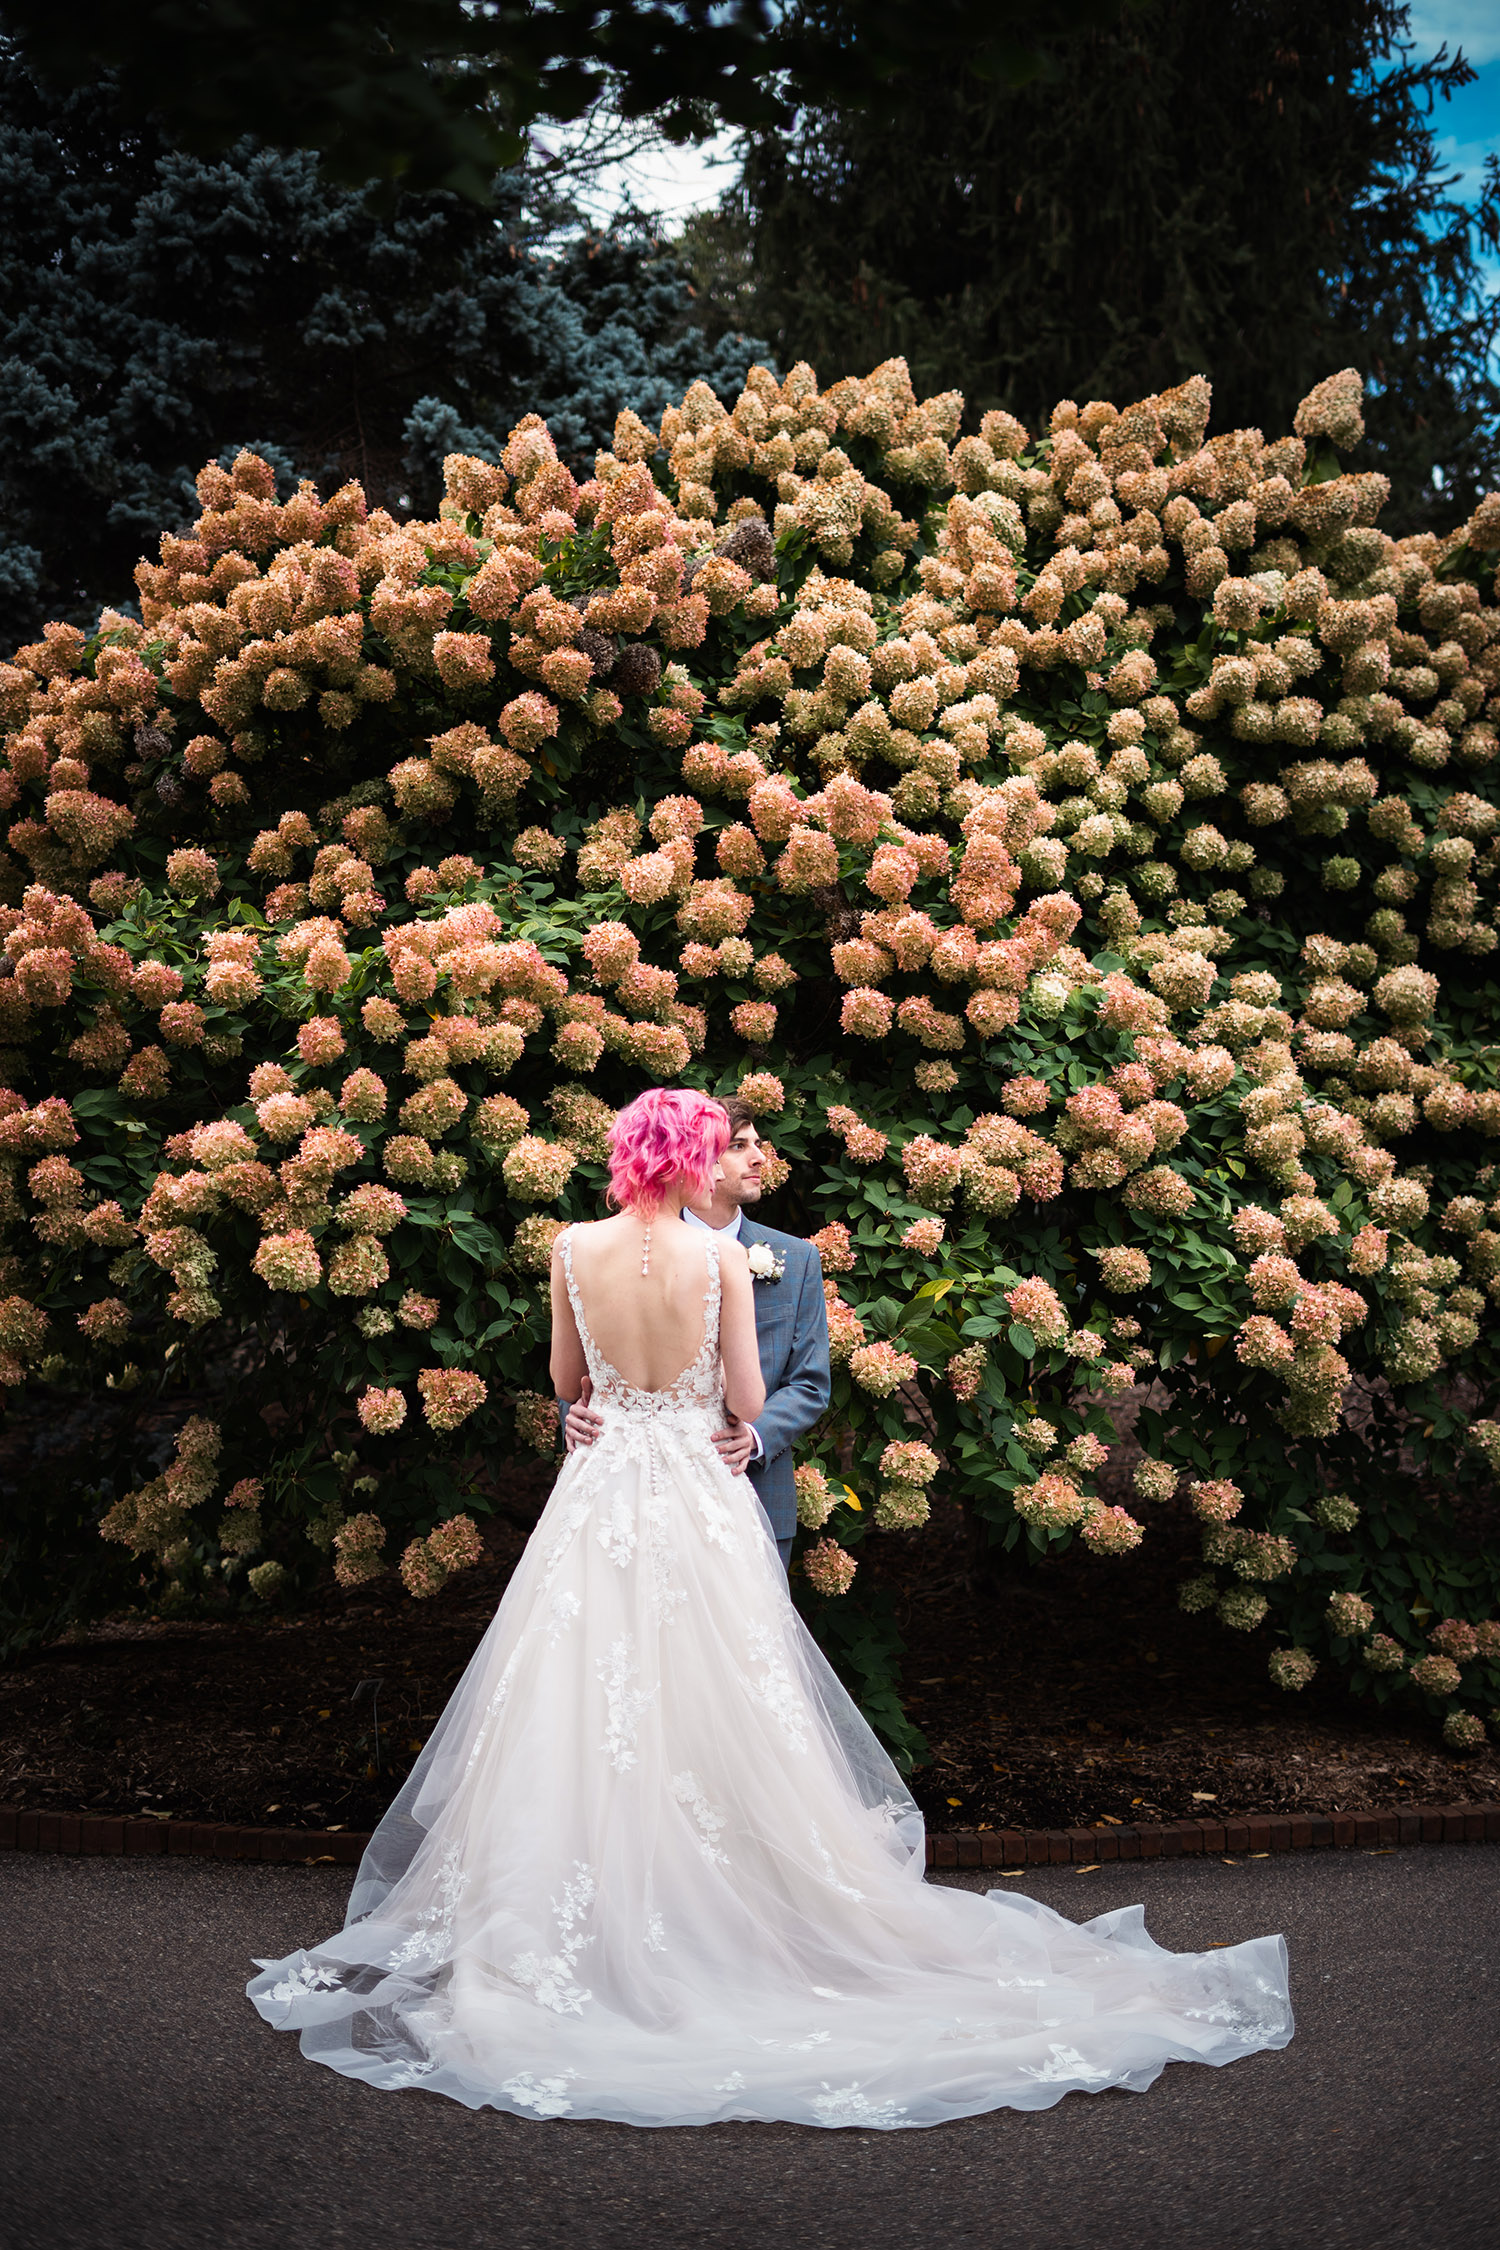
[(674, 181), (657, 176), (1473, 25), (1466, 158)]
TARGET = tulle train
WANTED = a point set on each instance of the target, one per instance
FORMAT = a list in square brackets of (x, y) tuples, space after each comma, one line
[(653, 1866)]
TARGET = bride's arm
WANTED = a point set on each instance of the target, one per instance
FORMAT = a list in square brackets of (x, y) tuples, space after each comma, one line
[(744, 1385), (568, 1363)]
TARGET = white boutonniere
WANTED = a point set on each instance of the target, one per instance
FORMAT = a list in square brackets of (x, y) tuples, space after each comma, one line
[(764, 1263)]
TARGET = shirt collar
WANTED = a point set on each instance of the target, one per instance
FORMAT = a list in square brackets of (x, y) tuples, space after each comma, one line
[(732, 1230)]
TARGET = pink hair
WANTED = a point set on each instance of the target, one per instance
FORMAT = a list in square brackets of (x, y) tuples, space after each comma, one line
[(665, 1139)]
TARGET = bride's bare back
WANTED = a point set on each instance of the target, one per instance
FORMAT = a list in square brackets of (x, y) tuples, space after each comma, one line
[(650, 1326)]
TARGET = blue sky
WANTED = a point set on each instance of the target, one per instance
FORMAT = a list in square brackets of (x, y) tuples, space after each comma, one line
[(1468, 127)]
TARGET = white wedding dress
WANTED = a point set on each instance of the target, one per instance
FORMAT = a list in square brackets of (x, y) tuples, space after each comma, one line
[(653, 1866)]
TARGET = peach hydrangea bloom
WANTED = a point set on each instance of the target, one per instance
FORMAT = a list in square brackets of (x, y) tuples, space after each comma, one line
[(828, 1568), (1291, 1668), (1155, 1480), (754, 1021), (1111, 1531), (1435, 1675), (1215, 1500), (450, 1395), (832, 1245), (289, 1261), (320, 1041), (457, 1543), (909, 1461), (1123, 1270), (358, 1267), (880, 1368), (867, 1014), (1349, 1615), (536, 1422), (358, 1545), (815, 1496), (1036, 1305), (382, 1411), (1024, 1096), (421, 1572), (1051, 1503), (763, 1092)]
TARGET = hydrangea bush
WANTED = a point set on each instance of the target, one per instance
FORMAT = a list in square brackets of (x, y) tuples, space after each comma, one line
[(1078, 847)]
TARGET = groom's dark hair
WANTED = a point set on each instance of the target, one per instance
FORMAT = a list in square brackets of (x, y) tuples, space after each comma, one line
[(739, 1113)]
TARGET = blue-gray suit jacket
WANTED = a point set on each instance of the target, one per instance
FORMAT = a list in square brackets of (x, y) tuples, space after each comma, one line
[(791, 1328)]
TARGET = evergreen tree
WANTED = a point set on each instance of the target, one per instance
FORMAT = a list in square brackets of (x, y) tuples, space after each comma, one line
[(1250, 191), (158, 309), (437, 93)]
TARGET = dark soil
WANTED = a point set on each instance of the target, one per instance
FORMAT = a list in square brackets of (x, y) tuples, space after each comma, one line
[(1052, 1697), (1080, 1693)]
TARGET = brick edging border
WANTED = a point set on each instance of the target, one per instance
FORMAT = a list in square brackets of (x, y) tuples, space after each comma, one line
[(1180, 1839), (95, 1835)]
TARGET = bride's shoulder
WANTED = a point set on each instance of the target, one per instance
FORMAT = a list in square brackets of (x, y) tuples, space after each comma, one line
[(566, 1236), (580, 1230), (733, 1256)]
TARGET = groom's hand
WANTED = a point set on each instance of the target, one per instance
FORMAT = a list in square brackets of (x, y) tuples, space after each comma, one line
[(582, 1424), (736, 1446)]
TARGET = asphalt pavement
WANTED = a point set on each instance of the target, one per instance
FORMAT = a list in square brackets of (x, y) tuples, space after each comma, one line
[(144, 2106)]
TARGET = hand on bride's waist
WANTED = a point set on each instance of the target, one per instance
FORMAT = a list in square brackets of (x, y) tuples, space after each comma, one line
[(590, 1414)]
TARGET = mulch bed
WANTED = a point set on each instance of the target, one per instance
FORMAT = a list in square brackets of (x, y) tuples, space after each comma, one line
[(1053, 1698), (1080, 1693)]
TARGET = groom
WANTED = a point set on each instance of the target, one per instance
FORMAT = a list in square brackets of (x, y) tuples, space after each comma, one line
[(791, 1327)]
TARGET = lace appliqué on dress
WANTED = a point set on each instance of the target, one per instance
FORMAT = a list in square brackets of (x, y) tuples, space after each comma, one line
[(549, 1977), (492, 1711), (830, 1872), (616, 1533), (431, 1940), (626, 1703), (1248, 2020), (544, 2097), (565, 1608), (717, 1520), (1065, 2063), (307, 1975), (776, 1688), (850, 2105), (688, 1790)]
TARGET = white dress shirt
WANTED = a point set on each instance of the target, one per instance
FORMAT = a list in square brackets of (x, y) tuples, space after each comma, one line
[(732, 1230), (731, 1233)]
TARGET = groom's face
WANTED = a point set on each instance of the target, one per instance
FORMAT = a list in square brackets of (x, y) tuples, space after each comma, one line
[(741, 1164)]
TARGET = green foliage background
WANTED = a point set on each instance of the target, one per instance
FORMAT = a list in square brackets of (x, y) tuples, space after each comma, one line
[(1105, 692)]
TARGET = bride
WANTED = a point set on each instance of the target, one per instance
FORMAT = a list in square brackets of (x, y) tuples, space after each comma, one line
[(652, 1865)]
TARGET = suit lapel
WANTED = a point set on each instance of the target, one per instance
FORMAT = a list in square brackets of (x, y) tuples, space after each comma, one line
[(770, 1296)]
